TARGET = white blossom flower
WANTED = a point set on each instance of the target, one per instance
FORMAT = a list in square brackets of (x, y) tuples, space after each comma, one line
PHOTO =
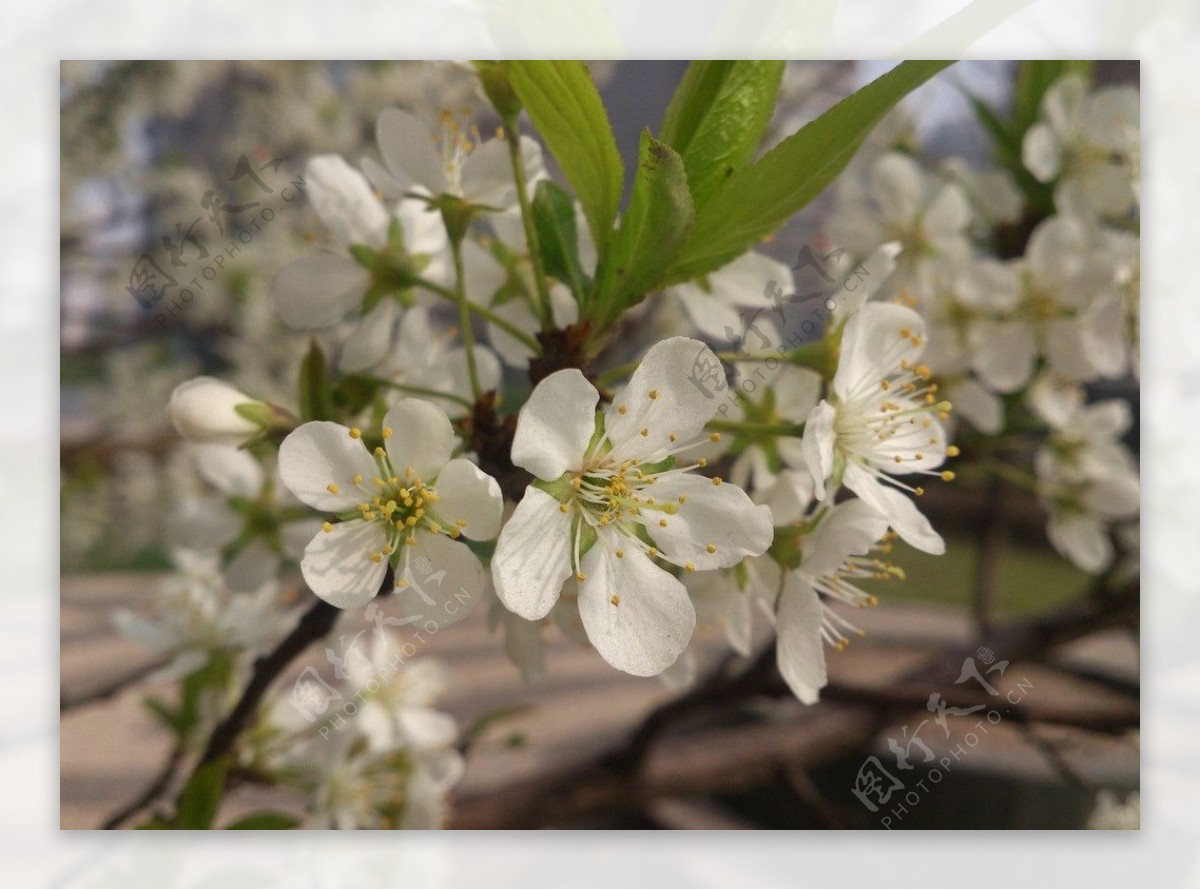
[(898, 201), (881, 420), (1088, 145), (211, 523), (1087, 479), (619, 501), (205, 409), (451, 158), (406, 504), (319, 290), (195, 616), (786, 398), (716, 303)]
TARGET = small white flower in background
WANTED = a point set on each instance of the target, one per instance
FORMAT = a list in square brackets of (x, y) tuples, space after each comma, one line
[(1088, 144), (617, 489), (425, 355), (1087, 479), (318, 291), (210, 524), (205, 409), (406, 505), (195, 616), (1071, 303), (787, 398), (451, 158), (881, 420), (899, 201), (716, 304)]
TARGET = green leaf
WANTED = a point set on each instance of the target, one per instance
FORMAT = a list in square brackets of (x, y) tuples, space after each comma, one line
[(316, 399), (200, 798), (756, 200), (554, 217), (654, 229), (264, 821), (717, 117), (564, 105)]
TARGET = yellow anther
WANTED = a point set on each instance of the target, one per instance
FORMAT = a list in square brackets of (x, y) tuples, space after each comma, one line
[(645, 432), (615, 600), (621, 409), (355, 433), (691, 567), (332, 488), (715, 437), (402, 584), (379, 451), (905, 333), (357, 480), (897, 458), (711, 548), (653, 551), (672, 437), (326, 526), (918, 491), (653, 393), (662, 523), (410, 521), (947, 475), (564, 508), (702, 462), (717, 480), (952, 451), (387, 432), (435, 528), (619, 554), (885, 383), (376, 557), (580, 576)]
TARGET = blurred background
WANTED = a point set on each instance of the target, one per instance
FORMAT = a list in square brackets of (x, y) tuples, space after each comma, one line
[(146, 149)]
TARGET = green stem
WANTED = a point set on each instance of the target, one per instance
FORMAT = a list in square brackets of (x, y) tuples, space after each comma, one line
[(756, 429), (545, 311), (751, 357), (464, 316), (419, 390), (487, 314)]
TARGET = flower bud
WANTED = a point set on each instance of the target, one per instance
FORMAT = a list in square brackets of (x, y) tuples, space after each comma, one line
[(205, 409)]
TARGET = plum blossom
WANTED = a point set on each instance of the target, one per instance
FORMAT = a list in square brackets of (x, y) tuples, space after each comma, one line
[(406, 504), (610, 498)]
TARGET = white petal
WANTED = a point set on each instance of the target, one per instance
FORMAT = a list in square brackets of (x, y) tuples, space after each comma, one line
[(1003, 353), (253, 567), (1041, 152), (898, 185), (797, 391), (467, 493), (345, 202), (533, 555), (676, 371), (337, 564), (422, 437), (850, 529), (406, 142), (790, 497), (556, 424), (721, 516), (438, 581), (1082, 540), (317, 291), (873, 345), (372, 337), (903, 516), (651, 620), (230, 470), (321, 453), (817, 445), (517, 312), (947, 214), (487, 176), (801, 654), (983, 409)]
